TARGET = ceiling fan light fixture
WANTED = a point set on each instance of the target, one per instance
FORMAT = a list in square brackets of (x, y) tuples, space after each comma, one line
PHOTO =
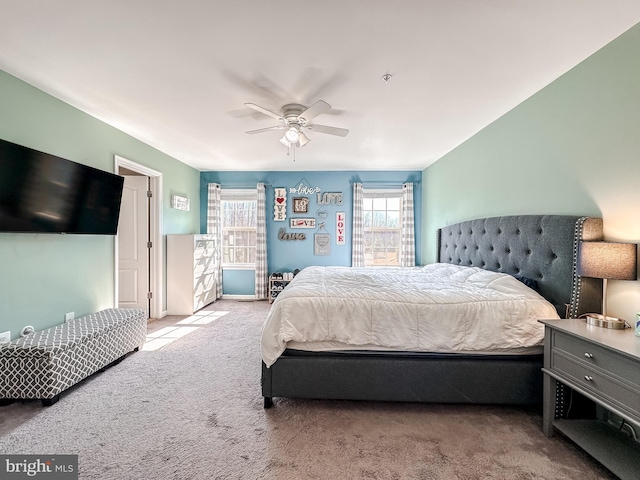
[(292, 135), (303, 139)]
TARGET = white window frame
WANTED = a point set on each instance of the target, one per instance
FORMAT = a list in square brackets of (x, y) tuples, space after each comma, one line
[(382, 193), (231, 194)]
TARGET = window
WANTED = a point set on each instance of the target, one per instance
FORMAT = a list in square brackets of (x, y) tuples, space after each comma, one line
[(382, 214), (239, 222)]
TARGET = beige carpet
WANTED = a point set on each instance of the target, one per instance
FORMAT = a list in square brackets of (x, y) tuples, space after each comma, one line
[(192, 410)]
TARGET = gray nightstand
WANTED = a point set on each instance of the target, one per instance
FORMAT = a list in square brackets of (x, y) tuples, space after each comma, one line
[(604, 366)]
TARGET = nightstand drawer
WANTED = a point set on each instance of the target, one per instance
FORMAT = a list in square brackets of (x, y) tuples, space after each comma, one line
[(597, 383), (593, 355)]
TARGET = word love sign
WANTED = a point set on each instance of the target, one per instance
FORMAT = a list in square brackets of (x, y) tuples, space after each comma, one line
[(329, 198), (303, 189), (284, 235), (340, 228), (280, 205)]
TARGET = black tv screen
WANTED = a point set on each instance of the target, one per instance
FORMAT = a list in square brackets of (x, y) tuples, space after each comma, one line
[(42, 193)]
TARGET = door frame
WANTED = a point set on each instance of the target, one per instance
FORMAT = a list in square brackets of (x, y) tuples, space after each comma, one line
[(156, 283)]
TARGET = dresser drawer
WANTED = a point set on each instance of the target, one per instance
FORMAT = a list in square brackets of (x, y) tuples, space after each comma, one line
[(597, 383), (594, 355)]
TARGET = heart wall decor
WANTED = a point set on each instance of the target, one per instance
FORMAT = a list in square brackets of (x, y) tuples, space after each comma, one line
[(280, 204)]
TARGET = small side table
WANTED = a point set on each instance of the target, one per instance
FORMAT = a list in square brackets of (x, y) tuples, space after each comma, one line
[(604, 366)]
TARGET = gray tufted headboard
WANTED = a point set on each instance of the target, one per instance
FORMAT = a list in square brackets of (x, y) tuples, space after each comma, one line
[(540, 247)]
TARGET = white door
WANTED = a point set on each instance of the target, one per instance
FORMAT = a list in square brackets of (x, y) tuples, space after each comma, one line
[(133, 249)]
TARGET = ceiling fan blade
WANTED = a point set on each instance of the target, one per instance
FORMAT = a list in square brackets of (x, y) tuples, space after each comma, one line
[(264, 110), (341, 132), (260, 130), (314, 110)]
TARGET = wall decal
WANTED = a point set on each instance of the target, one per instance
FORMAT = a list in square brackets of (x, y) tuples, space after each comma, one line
[(284, 235), (329, 198), (340, 228), (300, 204), (302, 223), (280, 205), (180, 203), (321, 241), (303, 189), (321, 244)]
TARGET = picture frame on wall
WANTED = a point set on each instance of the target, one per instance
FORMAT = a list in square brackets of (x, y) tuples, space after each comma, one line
[(321, 244), (300, 204)]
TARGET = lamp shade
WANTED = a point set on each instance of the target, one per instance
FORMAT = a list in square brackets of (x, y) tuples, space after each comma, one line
[(614, 261)]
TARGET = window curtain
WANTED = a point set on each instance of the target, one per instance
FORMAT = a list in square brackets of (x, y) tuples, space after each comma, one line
[(262, 278), (357, 231), (408, 239), (214, 227)]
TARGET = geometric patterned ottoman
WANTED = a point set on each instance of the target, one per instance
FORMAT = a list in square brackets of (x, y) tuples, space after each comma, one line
[(45, 363)]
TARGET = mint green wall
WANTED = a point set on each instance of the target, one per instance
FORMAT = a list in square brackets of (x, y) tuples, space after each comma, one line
[(572, 148), (44, 276)]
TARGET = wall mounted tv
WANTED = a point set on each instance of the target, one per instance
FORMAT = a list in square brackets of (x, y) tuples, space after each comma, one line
[(42, 193)]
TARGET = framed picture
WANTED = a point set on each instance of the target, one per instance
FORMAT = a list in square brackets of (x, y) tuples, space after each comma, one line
[(179, 202), (300, 204)]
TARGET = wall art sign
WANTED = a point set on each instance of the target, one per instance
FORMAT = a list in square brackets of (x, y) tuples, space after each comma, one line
[(302, 223), (300, 204), (280, 205), (329, 198), (321, 244), (284, 235), (303, 189), (341, 228), (180, 203)]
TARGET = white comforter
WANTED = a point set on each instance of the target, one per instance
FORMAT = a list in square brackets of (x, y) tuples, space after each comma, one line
[(436, 308)]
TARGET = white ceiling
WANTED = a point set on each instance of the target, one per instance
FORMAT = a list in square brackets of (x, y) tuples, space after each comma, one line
[(175, 74)]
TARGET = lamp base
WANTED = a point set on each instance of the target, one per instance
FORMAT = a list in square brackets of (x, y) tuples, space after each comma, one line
[(599, 320)]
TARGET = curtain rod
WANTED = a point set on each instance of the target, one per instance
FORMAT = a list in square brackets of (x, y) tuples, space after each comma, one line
[(385, 183), (238, 185)]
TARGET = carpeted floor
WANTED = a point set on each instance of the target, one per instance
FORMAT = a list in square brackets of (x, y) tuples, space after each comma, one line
[(191, 409)]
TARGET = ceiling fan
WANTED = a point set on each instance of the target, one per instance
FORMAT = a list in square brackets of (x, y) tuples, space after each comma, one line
[(294, 119)]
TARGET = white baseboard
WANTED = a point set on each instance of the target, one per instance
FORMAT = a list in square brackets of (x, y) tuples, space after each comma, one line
[(242, 298)]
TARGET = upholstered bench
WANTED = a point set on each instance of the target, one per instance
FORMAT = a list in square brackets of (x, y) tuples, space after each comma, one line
[(45, 363)]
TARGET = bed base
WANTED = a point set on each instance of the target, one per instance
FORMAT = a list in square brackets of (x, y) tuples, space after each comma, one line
[(410, 377)]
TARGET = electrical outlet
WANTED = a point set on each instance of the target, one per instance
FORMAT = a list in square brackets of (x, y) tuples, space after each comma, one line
[(69, 316), (5, 337)]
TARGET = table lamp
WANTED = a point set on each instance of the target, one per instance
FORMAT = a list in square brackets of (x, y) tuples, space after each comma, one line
[(609, 261)]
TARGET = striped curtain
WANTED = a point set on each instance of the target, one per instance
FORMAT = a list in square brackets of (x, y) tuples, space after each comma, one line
[(214, 227), (408, 239), (357, 231), (262, 278)]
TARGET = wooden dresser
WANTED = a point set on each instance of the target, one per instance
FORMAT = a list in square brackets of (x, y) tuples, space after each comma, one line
[(603, 365)]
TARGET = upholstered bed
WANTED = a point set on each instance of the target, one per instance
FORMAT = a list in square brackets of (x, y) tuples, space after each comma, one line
[(541, 248)]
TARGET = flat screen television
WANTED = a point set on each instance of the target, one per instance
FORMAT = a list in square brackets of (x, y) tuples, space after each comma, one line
[(42, 193)]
